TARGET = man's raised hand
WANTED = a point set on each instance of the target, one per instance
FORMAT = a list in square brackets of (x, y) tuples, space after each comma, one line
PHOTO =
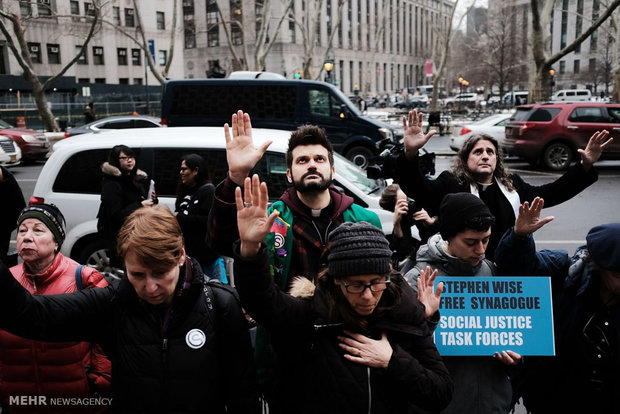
[(414, 137)]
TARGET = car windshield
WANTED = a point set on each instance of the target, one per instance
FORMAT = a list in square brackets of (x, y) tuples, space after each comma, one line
[(4, 125), (352, 173)]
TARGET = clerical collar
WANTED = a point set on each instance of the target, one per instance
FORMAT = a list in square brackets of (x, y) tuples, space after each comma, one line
[(483, 186)]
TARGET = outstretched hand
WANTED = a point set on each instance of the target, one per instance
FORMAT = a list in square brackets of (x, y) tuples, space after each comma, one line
[(429, 298), (252, 220), (241, 154), (414, 137), (596, 144), (528, 220)]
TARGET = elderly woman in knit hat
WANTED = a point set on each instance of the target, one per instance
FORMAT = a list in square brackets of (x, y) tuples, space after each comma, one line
[(584, 376), (76, 369), (362, 330)]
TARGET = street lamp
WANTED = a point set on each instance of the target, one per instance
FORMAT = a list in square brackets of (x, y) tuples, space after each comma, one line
[(462, 82), (328, 65), (552, 80)]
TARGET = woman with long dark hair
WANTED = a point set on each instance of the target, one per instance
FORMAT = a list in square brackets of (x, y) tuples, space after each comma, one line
[(192, 206), (124, 189)]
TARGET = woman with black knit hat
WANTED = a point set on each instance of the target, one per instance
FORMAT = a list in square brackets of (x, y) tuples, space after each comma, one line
[(124, 189), (27, 367), (362, 331)]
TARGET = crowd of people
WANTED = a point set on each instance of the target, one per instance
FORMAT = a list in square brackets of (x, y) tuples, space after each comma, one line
[(342, 326)]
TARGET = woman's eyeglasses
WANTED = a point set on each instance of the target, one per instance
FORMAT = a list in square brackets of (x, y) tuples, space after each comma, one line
[(126, 158), (356, 287)]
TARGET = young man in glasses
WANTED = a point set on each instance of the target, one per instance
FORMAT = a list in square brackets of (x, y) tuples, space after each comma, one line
[(481, 384), (584, 376), (361, 334)]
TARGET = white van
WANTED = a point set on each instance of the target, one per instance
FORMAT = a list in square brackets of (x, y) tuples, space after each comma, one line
[(71, 177), (515, 98), (572, 95)]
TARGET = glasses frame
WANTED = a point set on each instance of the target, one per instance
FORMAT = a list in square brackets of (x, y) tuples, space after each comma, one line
[(367, 286), (127, 157)]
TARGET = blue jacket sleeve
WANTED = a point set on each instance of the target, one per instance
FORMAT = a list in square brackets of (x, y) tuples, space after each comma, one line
[(516, 256)]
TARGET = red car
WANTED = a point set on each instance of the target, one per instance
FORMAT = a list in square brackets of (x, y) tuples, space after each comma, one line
[(550, 133), (34, 145)]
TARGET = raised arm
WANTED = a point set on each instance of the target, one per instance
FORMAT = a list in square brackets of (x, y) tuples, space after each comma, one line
[(241, 154), (596, 144), (414, 137)]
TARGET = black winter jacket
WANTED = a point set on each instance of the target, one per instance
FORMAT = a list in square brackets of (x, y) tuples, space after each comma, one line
[(11, 206), (430, 192), (415, 380), (191, 359), (120, 196), (192, 210)]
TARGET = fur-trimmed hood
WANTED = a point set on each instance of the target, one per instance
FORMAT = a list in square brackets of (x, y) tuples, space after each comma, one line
[(110, 169), (302, 287)]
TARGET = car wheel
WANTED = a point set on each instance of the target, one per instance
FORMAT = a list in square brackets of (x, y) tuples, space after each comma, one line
[(359, 156), (557, 156), (96, 254)]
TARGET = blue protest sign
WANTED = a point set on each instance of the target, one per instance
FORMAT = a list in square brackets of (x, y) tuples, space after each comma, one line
[(484, 315)]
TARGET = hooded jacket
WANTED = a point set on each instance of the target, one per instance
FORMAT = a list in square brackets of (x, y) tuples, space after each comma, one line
[(481, 384), (415, 380), (194, 357), (76, 369), (583, 376), (120, 196)]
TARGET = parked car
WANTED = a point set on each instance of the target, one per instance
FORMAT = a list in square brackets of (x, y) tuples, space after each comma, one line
[(33, 145), (116, 122), (550, 133), (71, 178), (10, 154), (494, 125), (279, 104), (463, 99), (412, 101), (572, 95), (515, 98)]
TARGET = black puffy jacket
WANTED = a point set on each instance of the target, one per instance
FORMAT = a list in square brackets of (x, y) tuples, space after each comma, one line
[(320, 378), (200, 361)]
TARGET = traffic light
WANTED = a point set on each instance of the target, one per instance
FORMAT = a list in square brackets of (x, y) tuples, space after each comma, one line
[(298, 74)]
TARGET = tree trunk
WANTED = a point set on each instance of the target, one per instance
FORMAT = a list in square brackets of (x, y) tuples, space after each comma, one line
[(43, 107)]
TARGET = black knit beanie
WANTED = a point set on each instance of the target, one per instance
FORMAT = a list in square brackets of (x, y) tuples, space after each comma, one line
[(456, 209), (358, 249), (49, 215)]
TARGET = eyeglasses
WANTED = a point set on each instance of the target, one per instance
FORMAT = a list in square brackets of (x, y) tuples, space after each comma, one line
[(126, 158), (361, 287)]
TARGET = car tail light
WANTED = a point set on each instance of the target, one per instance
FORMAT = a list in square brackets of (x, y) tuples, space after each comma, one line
[(465, 130), (67, 135), (36, 200), (164, 122)]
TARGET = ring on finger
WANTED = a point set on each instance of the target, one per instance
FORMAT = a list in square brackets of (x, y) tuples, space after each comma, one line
[(247, 205)]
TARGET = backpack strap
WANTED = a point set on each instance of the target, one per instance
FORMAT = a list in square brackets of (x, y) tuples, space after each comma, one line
[(78, 277)]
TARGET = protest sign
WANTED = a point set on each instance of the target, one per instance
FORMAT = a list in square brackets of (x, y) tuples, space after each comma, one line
[(484, 315)]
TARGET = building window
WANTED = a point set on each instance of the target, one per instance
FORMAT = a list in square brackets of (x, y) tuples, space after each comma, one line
[(25, 9), (98, 55), (562, 67), (83, 80), (236, 15), (116, 15), (35, 52), (592, 66), (75, 9), (89, 9), (161, 20), (291, 27), (122, 56), (213, 28), (99, 80), (53, 54), (576, 66), (44, 7), (190, 38), (136, 57), (129, 18), (83, 60), (123, 81), (162, 57), (137, 81)]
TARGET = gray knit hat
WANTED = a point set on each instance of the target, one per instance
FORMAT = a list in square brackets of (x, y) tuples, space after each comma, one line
[(49, 215), (358, 249)]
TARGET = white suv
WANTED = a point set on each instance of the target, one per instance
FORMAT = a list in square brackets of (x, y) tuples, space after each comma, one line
[(71, 178)]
